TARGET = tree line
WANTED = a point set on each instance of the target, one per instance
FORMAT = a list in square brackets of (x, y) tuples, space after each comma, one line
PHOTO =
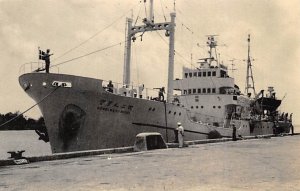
[(20, 123)]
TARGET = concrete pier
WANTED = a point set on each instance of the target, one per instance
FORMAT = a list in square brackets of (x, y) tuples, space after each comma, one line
[(258, 164)]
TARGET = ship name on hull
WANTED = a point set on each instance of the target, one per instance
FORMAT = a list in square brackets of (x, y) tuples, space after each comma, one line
[(115, 107)]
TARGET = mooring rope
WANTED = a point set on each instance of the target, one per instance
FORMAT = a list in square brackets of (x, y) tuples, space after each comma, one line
[(12, 119)]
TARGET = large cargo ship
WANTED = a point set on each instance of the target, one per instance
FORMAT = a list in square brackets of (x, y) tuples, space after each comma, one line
[(83, 113)]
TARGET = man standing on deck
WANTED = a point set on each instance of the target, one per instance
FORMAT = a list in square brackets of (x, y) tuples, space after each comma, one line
[(110, 87), (161, 92), (141, 89), (47, 60), (45, 56), (180, 131)]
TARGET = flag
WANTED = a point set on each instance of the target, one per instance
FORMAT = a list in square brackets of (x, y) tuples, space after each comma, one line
[(41, 55)]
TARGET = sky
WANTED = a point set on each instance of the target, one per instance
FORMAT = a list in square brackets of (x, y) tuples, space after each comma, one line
[(72, 28)]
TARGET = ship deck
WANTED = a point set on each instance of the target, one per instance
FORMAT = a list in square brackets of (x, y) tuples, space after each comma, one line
[(256, 164)]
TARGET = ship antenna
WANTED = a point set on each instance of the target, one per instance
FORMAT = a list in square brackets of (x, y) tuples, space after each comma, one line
[(249, 76), (232, 67), (174, 9)]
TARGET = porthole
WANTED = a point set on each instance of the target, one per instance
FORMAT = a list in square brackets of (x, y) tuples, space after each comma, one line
[(153, 109), (169, 112), (150, 108), (192, 107), (175, 113), (219, 107), (179, 113), (197, 107)]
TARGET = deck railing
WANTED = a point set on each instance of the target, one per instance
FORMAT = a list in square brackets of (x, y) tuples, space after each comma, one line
[(36, 67), (136, 91)]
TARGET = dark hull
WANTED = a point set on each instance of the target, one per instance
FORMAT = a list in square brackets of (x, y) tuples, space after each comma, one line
[(269, 104)]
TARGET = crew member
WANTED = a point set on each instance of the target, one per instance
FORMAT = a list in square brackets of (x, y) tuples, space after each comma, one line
[(176, 99), (180, 131), (291, 117), (161, 92), (286, 117), (141, 89), (110, 87), (46, 57), (233, 133), (291, 120)]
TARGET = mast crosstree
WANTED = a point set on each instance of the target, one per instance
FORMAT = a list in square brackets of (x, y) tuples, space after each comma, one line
[(150, 25)]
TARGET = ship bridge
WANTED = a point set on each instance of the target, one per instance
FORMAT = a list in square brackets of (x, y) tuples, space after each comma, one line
[(207, 89), (212, 80)]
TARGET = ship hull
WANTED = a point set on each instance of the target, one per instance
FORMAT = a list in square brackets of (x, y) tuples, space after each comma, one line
[(81, 115)]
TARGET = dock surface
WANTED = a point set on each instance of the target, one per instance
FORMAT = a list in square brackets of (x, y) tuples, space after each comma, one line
[(258, 164)]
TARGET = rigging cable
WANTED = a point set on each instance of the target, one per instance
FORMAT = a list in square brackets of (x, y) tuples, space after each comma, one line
[(145, 8), (162, 8), (186, 99), (88, 54), (97, 33), (99, 50), (183, 58), (180, 62), (189, 29), (138, 16), (12, 119)]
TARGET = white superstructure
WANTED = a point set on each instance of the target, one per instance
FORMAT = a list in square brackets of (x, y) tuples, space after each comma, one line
[(207, 89)]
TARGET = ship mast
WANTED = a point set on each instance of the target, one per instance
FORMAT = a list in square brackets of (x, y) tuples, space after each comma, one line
[(249, 76), (150, 25), (212, 44)]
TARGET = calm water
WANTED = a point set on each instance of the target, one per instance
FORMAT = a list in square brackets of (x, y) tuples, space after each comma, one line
[(28, 141), (22, 140)]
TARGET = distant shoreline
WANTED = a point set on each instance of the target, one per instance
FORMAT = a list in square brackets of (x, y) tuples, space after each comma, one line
[(16, 129), (16, 121)]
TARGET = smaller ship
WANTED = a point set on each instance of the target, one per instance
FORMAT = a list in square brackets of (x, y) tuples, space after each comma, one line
[(266, 107)]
